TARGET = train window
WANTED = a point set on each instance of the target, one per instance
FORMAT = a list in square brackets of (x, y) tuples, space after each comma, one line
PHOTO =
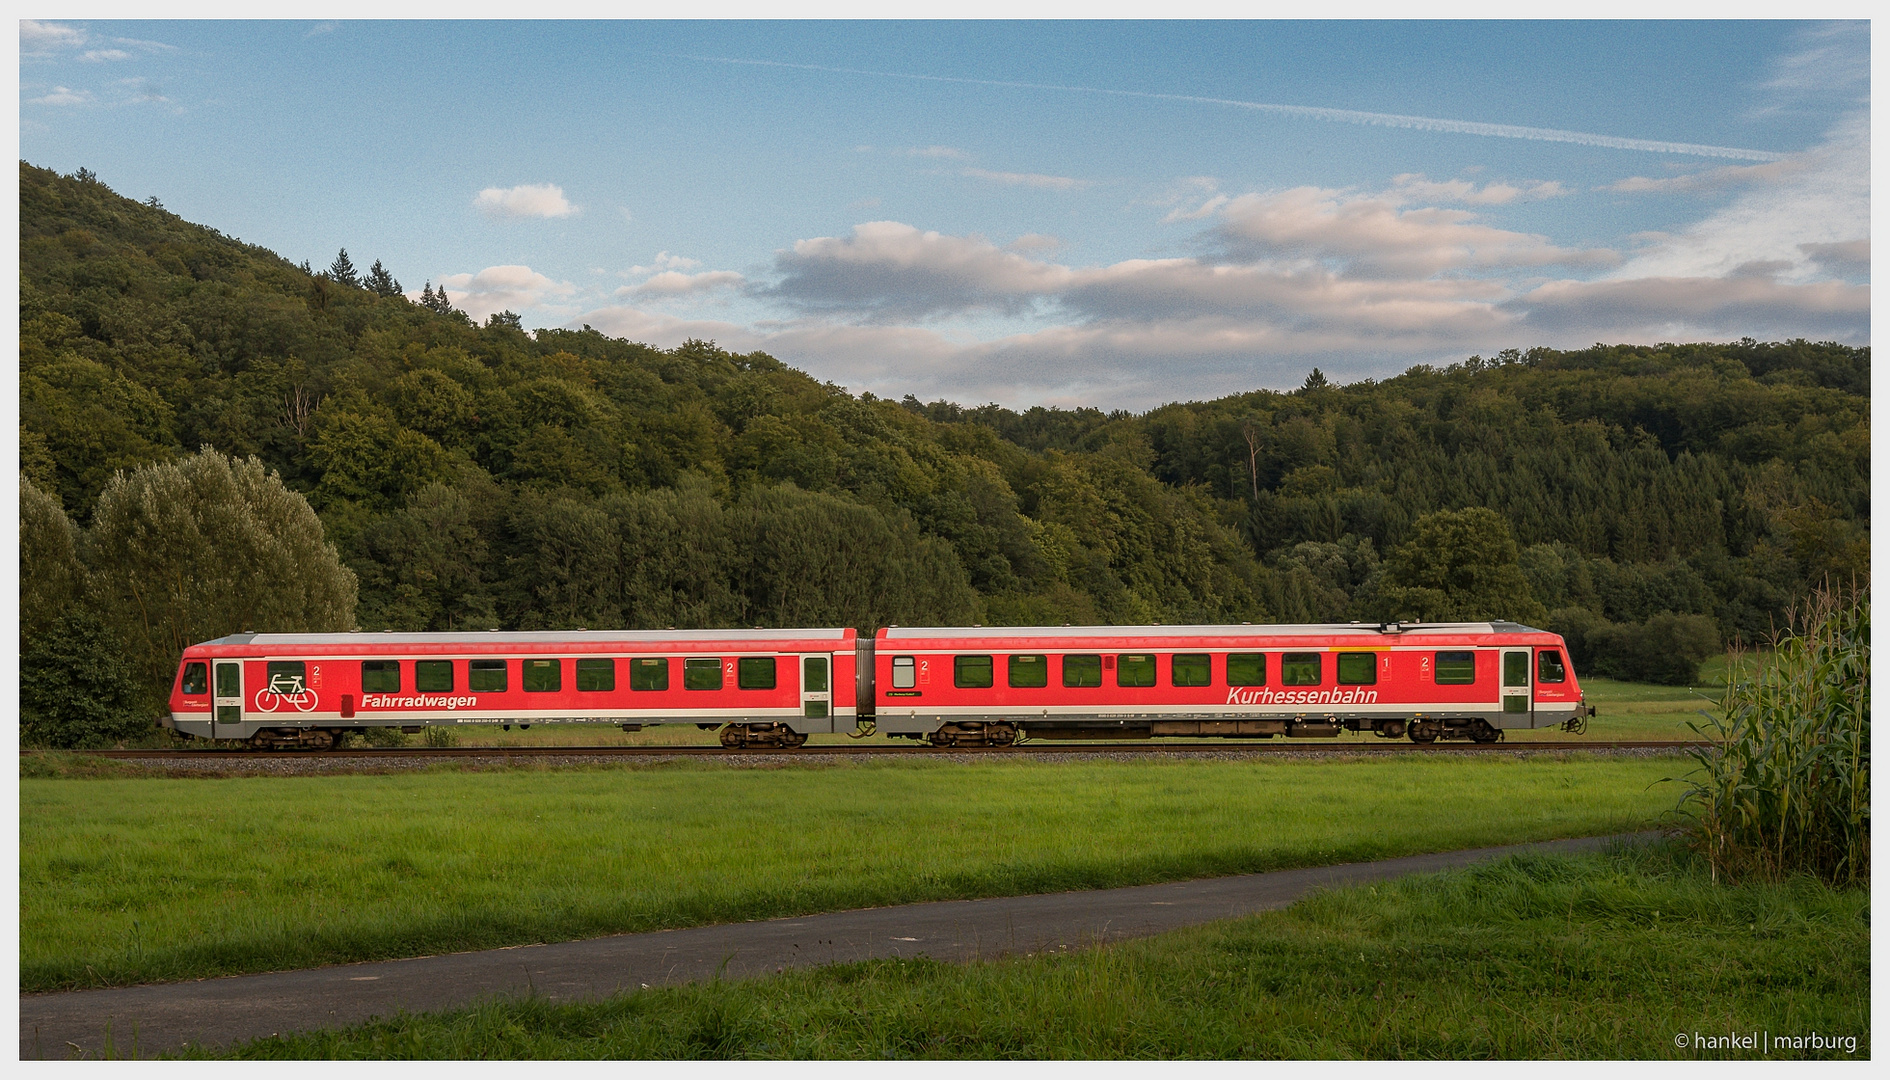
[(1515, 669), (1549, 667), (380, 676), (288, 676), (652, 673), (543, 676), (1299, 669), (229, 680), (702, 673), (1246, 669), (755, 673), (596, 674), (1135, 669), (971, 672), (196, 679), (433, 676), (1358, 669), (1030, 671), (1082, 671), (1456, 668), (487, 676), (1192, 669), (902, 673)]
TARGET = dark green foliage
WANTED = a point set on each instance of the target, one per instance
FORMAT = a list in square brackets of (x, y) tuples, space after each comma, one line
[(483, 475), (1666, 649), (76, 689), (342, 270), (1458, 566)]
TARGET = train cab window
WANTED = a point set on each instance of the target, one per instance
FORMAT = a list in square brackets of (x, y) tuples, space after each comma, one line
[(903, 673), (1300, 669), (1135, 669), (288, 676), (1456, 668), (1246, 669), (1192, 669), (652, 673), (971, 672), (596, 673), (1029, 671), (196, 678), (380, 676), (1358, 669), (1549, 667), (543, 676), (485, 676), (433, 676), (702, 673), (1082, 671), (755, 673)]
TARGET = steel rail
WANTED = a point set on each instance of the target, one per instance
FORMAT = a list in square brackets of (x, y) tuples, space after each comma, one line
[(1058, 747)]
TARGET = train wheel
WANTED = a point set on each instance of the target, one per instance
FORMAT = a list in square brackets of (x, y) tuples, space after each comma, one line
[(734, 737), (1425, 731), (1482, 732)]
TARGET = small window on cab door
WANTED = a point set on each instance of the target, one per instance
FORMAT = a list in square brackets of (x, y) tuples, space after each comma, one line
[(1549, 667), (196, 679)]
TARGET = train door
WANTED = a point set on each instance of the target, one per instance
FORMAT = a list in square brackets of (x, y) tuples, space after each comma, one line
[(817, 691), (227, 705), (1516, 696)]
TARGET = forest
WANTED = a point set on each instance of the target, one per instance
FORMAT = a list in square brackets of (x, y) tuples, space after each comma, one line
[(190, 400)]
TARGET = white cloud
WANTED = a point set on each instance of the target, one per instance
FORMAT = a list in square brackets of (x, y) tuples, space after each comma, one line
[(524, 201), (1205, 210), (38, 37), (663, 261), (502, 288), (1820, 196), (668, 331), (1749, 303), (1415, 187), (1711, 180), (63, 96), (891, 270), (1033, 180), (1850, 258), (102, 55), (676, 283), (1372, 236)]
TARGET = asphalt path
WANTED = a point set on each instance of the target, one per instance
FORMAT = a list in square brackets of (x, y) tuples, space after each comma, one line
[(152, 1019)]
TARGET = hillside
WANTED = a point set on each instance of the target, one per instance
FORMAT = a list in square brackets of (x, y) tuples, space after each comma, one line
[(478, 476)]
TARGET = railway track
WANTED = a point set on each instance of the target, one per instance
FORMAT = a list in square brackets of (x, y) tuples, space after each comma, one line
[(891, 751)]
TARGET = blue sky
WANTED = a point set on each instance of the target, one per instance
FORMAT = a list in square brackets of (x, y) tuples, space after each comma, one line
[(1111, 214)]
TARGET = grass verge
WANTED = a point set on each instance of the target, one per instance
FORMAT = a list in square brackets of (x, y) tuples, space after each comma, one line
[(1622, 955), (125, 881)]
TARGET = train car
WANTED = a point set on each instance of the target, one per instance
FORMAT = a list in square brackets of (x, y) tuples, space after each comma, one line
[(989, 686), (761, 687)]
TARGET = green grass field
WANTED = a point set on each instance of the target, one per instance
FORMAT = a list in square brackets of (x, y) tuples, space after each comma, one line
[(131, 880), (1597, 957)]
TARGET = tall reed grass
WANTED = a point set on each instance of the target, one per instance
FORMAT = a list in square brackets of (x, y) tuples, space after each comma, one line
[(1785, 787)]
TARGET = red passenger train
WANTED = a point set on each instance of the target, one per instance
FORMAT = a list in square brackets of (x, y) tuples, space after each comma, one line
[(963, 686)]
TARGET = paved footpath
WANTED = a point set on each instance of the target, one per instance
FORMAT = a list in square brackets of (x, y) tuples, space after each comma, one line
[(165, 1016)]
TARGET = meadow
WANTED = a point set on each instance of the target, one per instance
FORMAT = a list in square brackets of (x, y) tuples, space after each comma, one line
[(1622, 955), (138, 880)]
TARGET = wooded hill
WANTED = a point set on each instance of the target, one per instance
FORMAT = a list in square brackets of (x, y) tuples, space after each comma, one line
[(482, 476)]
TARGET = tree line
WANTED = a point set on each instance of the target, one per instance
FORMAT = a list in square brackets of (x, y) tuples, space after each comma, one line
[(1643, 499)]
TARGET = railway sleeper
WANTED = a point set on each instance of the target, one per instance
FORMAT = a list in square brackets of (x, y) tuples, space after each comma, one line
[(779, 736), (995, 733)]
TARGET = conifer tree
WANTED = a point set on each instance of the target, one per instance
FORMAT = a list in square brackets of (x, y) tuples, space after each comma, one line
[(380, 281), (342, 270)]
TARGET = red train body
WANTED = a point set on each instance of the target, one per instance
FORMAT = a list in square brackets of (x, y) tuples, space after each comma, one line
[(952, 686)]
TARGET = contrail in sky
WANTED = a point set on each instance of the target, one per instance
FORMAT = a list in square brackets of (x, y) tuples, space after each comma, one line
[(1343, 116)]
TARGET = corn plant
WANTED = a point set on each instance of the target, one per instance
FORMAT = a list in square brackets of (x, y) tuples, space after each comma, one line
[(1785, 785)]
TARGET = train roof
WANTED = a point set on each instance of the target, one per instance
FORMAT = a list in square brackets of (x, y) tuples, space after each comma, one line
[(1242, 630), (532, 637)]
